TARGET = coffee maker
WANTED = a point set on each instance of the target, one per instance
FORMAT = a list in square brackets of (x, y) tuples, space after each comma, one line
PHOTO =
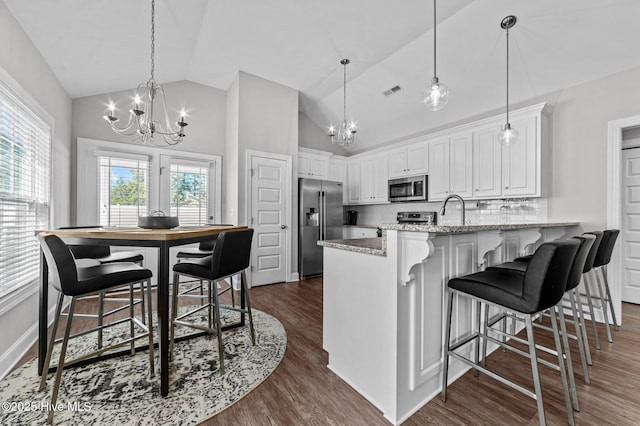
[(352, 217)]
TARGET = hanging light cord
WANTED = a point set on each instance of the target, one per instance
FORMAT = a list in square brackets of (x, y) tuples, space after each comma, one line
[(434, 38), (507, 30), (344, 91), (153, 38)]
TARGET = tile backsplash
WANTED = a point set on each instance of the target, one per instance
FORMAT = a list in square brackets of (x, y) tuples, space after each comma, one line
[(513, 210)]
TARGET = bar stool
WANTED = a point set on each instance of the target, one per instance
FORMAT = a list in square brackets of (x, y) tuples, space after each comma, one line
[(204, 249), (603, 257), (231, 256), (586, 242), (79, 283), (524, 295)]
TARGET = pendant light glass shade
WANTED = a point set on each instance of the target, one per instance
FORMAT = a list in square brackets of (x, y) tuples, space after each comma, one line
[(436, 96), (508, 135)]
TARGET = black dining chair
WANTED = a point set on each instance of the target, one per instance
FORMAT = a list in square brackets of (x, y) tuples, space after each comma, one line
[(104, 255), (204, 249), (79, 283), (231, 256)]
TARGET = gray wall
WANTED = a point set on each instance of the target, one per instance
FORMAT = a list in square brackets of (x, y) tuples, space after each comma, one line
[(310, 135), (579, 150), (206, 114), (20, 58)]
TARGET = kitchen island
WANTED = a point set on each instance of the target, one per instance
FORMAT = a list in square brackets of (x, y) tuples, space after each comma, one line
[(383, 303)]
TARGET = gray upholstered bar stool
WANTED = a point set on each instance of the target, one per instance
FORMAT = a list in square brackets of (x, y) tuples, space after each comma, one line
[(523, 295), (231, 256), (79, 283)]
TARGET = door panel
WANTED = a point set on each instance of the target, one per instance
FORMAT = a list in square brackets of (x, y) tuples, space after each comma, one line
[(630, 200), (268, 213)]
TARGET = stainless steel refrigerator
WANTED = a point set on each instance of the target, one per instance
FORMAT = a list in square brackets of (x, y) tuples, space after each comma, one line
[(319, 218)]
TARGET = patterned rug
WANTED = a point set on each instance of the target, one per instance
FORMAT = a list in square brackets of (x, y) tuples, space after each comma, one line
[(119, 391)]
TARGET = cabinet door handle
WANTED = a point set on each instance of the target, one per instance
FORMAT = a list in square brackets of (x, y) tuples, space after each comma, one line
[(506, 187), (477, 190)]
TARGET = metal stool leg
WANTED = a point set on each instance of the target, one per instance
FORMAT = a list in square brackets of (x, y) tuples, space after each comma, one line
[(150, 325), (174, 313), (609, 299), (534, 369), (593, 317), (131, 324), (583, 326), (447, 345), (581, 345), (218, 321), (52, 342), (100, 317), (476, 355), (603, 305), (563, 372), (243, 284), (567, 352)]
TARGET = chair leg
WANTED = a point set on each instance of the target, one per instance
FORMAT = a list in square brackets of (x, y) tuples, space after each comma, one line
[(476, 354), (534, 369), (132, 313), (245, 290), (150, 326), (485, 330), (447, 345), (563, 372), (583, 326), (609, 299), (604, 305), (210, 301), (100, 317), (567, 352), (581, 347), (218, 321), (52, 342), (174, 312), (63, 351), (593, 317), (233, 297), (142, 304)]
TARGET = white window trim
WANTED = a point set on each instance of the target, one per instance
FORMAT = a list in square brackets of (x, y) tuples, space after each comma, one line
[(86, 209), (11, 88)]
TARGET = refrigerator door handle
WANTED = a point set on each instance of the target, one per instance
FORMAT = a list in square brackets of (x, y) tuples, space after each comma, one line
[(324, 216), (320, 217)]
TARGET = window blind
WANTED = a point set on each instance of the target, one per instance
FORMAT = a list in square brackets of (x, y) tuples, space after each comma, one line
[(123, 190), (25, 146), (189, 193)]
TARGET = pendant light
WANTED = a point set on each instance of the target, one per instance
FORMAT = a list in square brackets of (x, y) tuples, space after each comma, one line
[(347, 131), (436, 96), (508, 135)]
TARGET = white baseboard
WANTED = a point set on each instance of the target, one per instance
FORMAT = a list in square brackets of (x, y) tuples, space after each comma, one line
[(294, 276), (11, 356)]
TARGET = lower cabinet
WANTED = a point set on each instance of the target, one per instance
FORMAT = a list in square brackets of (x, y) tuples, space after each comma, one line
[(353, 232)]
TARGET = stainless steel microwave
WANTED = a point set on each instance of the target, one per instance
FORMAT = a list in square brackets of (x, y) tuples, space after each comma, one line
[(408, 189)]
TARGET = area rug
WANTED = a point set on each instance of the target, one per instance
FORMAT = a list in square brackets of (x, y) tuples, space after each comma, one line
[(119, 391)]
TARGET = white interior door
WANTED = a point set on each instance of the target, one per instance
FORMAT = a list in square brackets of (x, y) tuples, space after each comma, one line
[(269, 206), (630, 201)]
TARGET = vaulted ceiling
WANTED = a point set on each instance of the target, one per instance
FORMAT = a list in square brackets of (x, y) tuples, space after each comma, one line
[(97, 47)]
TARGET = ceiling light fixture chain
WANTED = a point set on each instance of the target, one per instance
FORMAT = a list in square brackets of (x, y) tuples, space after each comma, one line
[(149, 99), (508, 135), (346, 132), (436, 96)]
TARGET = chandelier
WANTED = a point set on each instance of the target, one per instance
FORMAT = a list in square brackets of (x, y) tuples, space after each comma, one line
[(149, 99), (436, 96), (346, 133), (508, 135)]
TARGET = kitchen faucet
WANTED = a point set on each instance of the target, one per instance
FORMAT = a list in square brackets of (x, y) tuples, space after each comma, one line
[(459, 198)]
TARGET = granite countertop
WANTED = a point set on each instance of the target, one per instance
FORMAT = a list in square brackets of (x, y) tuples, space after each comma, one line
[(458, 229), (375, 246)]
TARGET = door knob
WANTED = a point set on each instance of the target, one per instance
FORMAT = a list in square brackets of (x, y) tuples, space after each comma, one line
[(283, 226)]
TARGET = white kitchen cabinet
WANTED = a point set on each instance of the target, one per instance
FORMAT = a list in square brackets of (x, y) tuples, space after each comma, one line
[(450, 167), (408, 161), (520, 165), (374, 179), (353, 182), (352, 232), (338, 173), (313, 164), (487, 163)]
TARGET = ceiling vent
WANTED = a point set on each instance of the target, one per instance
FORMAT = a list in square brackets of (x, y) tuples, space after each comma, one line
[(391, 91)]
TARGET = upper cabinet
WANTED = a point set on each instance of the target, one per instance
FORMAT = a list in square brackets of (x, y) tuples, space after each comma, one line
[(520, 164), (353, 182), (487, 163), (338, 173), (450, 168), (313, 164), (374, 179), (409, 160)]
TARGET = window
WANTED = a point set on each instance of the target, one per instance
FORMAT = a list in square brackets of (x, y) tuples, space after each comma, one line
[(188, 190), (123, 190), (25, 145)]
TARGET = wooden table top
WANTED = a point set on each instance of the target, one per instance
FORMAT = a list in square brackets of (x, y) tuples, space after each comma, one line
[(141, 234)]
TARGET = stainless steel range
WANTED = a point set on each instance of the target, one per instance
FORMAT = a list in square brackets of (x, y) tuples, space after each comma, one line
[(421, 218)]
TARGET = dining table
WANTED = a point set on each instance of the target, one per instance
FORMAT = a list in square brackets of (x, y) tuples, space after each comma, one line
[(163, 240)]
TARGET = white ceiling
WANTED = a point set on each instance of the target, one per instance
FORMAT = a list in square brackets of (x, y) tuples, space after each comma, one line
[(103, 46)]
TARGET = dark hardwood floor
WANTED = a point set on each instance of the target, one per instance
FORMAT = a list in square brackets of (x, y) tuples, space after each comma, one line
[(302, 390)]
